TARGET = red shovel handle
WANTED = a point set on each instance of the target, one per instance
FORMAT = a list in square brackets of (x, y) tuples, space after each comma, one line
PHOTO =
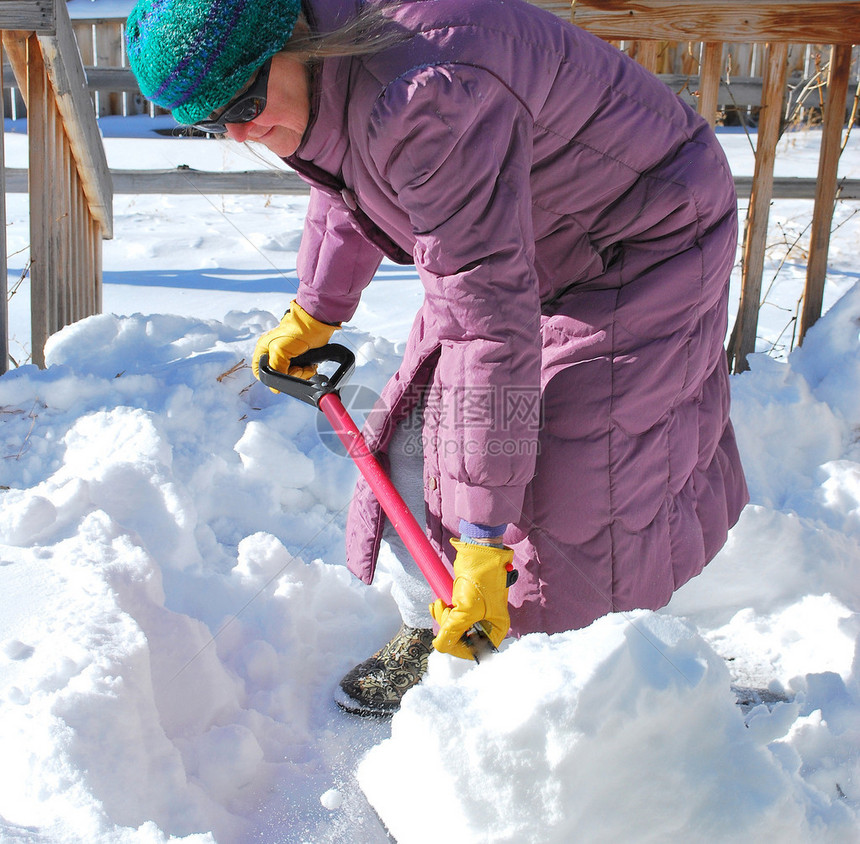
[(395, 508), (321, 392)]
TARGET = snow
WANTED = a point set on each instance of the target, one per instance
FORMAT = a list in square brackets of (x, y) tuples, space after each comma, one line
[(176, 613)]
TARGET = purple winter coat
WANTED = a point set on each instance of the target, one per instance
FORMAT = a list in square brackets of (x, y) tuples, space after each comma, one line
[(574, 227)]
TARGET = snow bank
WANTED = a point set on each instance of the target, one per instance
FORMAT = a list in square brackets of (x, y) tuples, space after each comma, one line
[(176, 614), (630, 730), (174, 665), (625, 731)]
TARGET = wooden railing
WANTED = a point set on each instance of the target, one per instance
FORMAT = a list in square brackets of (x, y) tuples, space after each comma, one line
[(645, 27), (775, 23), (102, 46), (69, 183)]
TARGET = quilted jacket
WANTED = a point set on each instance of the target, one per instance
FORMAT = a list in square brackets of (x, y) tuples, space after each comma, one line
[(574, 227)]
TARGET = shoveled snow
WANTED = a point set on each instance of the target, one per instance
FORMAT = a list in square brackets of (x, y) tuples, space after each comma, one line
[(175, 611)]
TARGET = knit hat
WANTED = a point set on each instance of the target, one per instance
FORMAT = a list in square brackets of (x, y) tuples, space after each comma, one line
[(194, 56)]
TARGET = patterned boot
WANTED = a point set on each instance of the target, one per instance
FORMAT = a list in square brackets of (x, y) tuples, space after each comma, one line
[(376, 686)]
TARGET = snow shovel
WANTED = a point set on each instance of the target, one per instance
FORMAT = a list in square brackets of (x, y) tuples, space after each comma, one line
[(321, 391)]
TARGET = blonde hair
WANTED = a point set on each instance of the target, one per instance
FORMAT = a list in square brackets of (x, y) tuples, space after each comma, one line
[(367, 33)]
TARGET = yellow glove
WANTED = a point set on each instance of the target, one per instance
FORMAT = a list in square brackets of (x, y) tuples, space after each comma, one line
[(297, 333), (480, 593)]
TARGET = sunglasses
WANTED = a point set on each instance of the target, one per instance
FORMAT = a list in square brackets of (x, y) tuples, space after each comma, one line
[(244, 108)]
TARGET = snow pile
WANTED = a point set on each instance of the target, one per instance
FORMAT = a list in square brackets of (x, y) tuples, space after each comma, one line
[(176, 614), (630, 730), (625, 731), (140, 487)]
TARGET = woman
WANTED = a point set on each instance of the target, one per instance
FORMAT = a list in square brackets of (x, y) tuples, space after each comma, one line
[(563, 400)]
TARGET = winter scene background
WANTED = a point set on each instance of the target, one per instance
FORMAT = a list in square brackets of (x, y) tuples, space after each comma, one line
[(175, 611)]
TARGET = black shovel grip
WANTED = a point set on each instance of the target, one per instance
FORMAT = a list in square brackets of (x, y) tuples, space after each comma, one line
[(312, 390)]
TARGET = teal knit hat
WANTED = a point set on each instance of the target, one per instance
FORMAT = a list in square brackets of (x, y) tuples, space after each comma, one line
[(194, 56)]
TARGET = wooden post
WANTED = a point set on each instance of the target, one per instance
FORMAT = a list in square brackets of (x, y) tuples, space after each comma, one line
[(87, 305), (66, 243), (4, 289), (52, 258), (646, 54), (709, 80), (15, 45), (40, 204), (108, 54), (773, 92), (87, 267), (825, 196), (81, 247), (96, 267), (85, 39), (60, 219)]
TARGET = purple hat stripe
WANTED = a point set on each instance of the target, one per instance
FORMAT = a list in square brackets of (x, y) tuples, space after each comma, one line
[(214, 14), (213, 57), (211, 18)]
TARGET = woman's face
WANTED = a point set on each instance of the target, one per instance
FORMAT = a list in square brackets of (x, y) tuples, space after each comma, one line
[(282, 123)]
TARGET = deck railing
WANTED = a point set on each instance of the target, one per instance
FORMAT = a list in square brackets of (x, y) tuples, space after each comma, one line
[(69, 184), (775, 24), (71, 188)]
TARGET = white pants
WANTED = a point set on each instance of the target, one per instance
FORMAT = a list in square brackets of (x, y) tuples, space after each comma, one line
[(406, 459)]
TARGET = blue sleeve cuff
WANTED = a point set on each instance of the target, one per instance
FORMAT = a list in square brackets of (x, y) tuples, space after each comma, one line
[(476, 531)]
